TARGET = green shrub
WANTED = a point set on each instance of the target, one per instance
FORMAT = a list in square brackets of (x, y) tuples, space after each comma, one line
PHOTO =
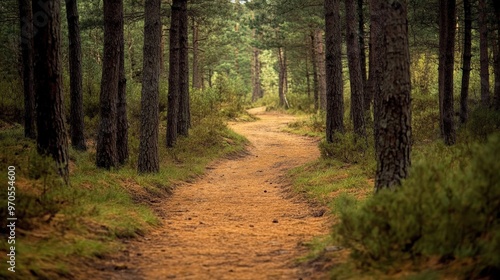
[(448, 208), (483, 122), (348, 148)]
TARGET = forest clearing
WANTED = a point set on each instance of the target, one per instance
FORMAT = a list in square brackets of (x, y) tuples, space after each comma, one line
[(250, 139)]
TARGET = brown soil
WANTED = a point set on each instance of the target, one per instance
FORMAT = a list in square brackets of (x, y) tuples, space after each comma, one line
[(239, 221)]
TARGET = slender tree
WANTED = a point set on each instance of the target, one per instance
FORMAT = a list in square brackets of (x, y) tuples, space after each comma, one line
[(75, 71), (184, 114), (173, 75), (106, 150), (483, 54), (466, 61), (256, 87), (446, 62), (362, 56), (26, 21), (315, 73), (355, 71), (496, 68), (334, 82), (148, 148), (121, 106), (394, 134), (319, 56), (51, 130), (375, 67), (282, 81), (197, 84)]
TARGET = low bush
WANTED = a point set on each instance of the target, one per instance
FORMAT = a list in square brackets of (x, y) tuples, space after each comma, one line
[(449, 209)]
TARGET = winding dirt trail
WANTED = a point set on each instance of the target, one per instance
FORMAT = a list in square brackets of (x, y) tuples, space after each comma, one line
[(237, 221)]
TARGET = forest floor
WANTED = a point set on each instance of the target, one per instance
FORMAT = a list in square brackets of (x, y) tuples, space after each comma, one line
[(239, 221)]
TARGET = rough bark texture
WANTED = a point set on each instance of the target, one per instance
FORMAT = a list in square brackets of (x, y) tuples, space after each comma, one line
[(319, 56), (496, 8), (106, 153), (484, 72), (121, 109), (197, 81), (256, 87), (315, 74), (52, 139), (26, 22), (282, 79), (355, 71), (375, 67), (173, 75), (362, 56), (466, 60), (394, 134), (148, 148), (446, 62), (184, 111), (334, 82), (75, 72)]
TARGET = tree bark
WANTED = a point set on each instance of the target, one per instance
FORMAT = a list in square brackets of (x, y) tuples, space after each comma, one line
[(184, 112), (256, 89), (282, 79), (483, 54), (376, 58), (320, 64), (26, 24), (173, 75), (51, 129), (315, 73), (394, 134), (446, 62), (355, 71), (106, 150), (75, 71), (496, 68), (466, 60), (122, 121), (148, 148), (362, 56), (334, 84), (197, 84)]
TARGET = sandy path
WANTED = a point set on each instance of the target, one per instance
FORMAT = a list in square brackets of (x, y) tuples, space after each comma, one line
[(235, 222)]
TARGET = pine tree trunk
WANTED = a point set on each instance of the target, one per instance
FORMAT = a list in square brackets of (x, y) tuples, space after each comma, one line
[(173, 75), (106, 151), (121, 110), (283, 102), (256, 90), (334, 82), (75, 71), (376, 58), (466, 60), (496, 68), (362, 56), (197, 84), (483, 54), (52, 139), (148, 149), (315, 73), (394, 134), (355, 72), (26, 22), (184, 114), (321, 71), (447, 44)]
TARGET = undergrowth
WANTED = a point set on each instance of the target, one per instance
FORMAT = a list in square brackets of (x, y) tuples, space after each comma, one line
[(61, 225)]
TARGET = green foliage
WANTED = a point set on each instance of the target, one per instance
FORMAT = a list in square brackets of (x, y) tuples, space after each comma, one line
[(482, 122), (448, 208), (349, 148)]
